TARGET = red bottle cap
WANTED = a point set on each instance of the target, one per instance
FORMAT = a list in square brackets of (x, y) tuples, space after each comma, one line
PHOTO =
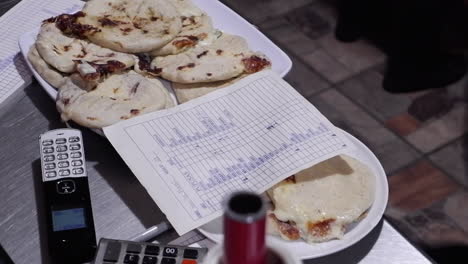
[(244, 229)]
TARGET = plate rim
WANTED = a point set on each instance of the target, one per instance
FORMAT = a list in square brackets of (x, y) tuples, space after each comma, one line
[(378, 207)]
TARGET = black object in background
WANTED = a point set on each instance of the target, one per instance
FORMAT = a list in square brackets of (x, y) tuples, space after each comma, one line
[(423, 39), (4, 258)]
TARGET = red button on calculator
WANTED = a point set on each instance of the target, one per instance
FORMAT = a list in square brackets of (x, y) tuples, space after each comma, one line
[(189, 261)]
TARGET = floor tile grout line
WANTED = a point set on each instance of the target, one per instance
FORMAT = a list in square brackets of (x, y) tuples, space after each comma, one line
[(376, 118)]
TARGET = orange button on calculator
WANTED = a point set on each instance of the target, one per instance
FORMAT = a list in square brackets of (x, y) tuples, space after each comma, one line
[(189, 261)]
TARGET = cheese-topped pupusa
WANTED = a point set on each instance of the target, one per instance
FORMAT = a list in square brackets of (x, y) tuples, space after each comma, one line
[(318, 203)]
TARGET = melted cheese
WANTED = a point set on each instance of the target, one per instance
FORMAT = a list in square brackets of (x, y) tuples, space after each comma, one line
[(325, 198)]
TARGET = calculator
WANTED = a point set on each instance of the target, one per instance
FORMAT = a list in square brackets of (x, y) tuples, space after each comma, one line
[(130, 252)]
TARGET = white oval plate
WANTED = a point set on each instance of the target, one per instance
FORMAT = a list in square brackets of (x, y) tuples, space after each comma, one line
[(213, 230), (223, 18)]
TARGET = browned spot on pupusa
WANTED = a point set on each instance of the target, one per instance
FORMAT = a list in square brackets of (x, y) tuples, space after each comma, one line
[(290, 179), (134, 88), (202, 54), (49, 20), (68, 24), (153, 18), (202, 36), (144, 63), (112, 98), (209, 74), (134, 112), (190, 65), (219, 52), (254, 64), (126, 30), (66, 48), (111, 66), (136, 25), (288, 228), (115, 90), (110, 22), (320, 228), (187, 42), (91, 118), (66, 101), (83, 51), (145, 31), (56, 50)]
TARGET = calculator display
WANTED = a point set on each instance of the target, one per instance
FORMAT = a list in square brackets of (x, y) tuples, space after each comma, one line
[(68, 219)]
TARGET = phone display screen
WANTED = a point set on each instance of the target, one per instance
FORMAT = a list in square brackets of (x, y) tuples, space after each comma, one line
[(68, 219)]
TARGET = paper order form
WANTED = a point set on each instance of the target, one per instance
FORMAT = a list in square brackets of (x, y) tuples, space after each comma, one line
[(248, 136)]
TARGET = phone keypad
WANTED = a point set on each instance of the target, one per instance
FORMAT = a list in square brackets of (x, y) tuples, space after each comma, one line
[(60, 141), (48, 150), (76, 155), (48, 158), (64, 173), (61, 148), (49, 166), (51, 174), (62, 157), (47, 142), (76, 163)]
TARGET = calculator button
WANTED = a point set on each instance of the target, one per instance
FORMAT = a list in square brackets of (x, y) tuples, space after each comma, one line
[(62, 156), (112, 252), (75, 146), (131, 259), (60, 141), (48, 150), (75, 155), (63, 164), (133, 248), (47, 142), (65, 186), (49, 166), (189, 261), (191, 253), (168, 261), (77, 163), (50, 174), (150, 260), (64, 172), (49, 158), (78, 171), (73, 139), (170, 252), (152, 250), (61, 148)]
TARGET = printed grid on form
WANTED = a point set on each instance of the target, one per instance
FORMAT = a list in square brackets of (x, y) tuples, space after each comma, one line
[(22, 18), (217, 151)]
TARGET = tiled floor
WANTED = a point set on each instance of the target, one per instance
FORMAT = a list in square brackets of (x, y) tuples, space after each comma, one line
[(419, 138)]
